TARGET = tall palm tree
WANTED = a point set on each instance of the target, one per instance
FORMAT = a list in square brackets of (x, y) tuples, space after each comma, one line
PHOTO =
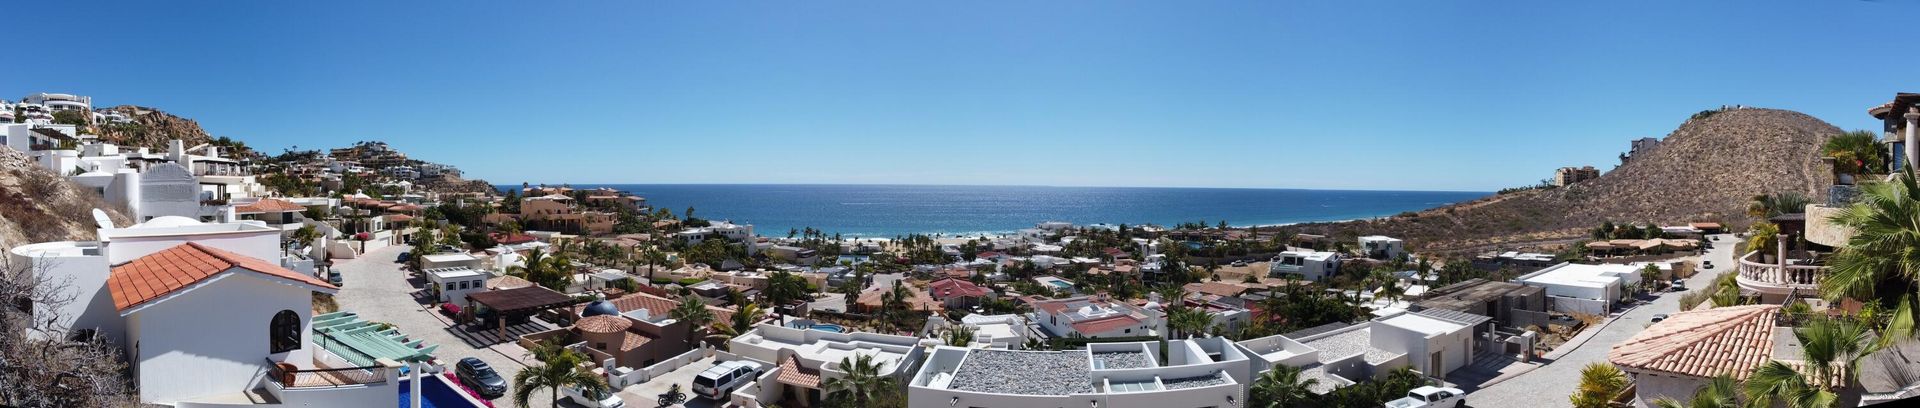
[(1187, 321), (741, 322), (1281, 387), (1882, 260), (863, 384), (1599, 384), (1830, 351), (694, 314), (558, 367), (1721, 392)]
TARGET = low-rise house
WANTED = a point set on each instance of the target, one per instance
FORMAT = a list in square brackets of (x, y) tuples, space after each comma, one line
[(450, 260), (1523, 262), (1382, 247), (1582, 288), (454, 283), (873, 299), (1509, 304), (635, 331), (802, 360), (1093, 317), (1676, 357), (1309, 265), (1195, 372), (957, 293), (1006, 331), (1339, 354)]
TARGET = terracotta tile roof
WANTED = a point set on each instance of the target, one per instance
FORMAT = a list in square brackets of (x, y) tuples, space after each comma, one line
[(1215, 288), (792, 373), (512, 239), (1097, 326), (1703, 343), (657, 306), (399, 218), (269, 205), (634, 341), (950, 287), (173, 269), (602, 324), (871, 299), (508, 282)]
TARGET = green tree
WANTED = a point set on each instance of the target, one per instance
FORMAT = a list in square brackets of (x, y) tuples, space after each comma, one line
[(1721, 392), (740, 322), (1856, 152), (1830, 349), (1599, 384), (694, 314), (959, 336), (558, 367), (863, 386), (1281, 387), (1881, 262)]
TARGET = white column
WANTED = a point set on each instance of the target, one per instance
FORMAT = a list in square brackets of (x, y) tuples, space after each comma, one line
[(413, 382), (1912, 144)]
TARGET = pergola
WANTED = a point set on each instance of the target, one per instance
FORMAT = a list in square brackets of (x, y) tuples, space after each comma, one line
[(362, 342), (519, 301)]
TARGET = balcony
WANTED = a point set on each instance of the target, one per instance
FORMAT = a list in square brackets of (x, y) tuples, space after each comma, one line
[(1771, 280), (288, 378)]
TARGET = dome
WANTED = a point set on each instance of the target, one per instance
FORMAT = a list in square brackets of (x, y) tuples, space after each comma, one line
[(603, 324), (600, 308), (168, 222)]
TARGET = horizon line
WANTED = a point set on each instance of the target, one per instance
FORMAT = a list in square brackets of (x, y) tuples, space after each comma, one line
[(996, 185)]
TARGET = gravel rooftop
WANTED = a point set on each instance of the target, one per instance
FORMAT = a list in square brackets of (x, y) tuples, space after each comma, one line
[(1024, 373), (1347, 344), (1121, 360), (1193, 382)]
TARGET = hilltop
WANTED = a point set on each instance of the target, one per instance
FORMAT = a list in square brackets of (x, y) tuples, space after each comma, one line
[(1706, 170), (151, 128)]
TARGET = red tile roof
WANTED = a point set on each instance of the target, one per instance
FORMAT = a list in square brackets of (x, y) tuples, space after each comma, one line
[(173, 269), (1703, 343), (792, 373), (949, 287), (513, 239), (657, 306), (269, 205), (1097, 326)]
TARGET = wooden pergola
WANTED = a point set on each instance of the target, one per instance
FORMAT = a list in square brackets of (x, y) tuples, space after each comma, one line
[(519, 301)]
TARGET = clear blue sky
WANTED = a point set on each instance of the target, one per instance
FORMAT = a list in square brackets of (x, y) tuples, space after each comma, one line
[(1357, 95)]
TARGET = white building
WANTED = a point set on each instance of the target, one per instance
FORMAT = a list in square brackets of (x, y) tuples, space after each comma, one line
[(454, 283), (1581, 288), (1092, 317), (205, 314), (799, 360), (59, 101), (1382, 247), (1210, 372), (1310, 265), (1337, 355), (997, 331), (717, 229)]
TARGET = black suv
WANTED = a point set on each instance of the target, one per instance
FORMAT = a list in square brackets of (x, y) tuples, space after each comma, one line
[(477, 374)]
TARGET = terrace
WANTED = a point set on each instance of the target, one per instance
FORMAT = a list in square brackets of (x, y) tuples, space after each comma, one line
[(1797, 272)]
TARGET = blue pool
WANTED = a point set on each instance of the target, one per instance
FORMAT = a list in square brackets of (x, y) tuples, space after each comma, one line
[(438, 394), (833, 328), (1060, 284)]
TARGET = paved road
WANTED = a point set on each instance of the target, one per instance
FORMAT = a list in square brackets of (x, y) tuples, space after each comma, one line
[(376, 288), (1549, 385)]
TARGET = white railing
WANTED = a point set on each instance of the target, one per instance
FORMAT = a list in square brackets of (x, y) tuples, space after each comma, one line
[(661, 368), (1761, 275)]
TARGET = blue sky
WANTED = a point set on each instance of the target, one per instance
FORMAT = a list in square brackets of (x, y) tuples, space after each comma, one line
[(1354, 95)]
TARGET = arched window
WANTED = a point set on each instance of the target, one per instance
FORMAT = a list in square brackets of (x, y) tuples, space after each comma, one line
[(285, 331)]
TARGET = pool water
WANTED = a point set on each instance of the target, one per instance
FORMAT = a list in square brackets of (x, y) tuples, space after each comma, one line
[(1060, 284), (831, 328), (437, 393)]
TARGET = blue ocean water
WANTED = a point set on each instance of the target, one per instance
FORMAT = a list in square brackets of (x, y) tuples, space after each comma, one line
[(892, 210)]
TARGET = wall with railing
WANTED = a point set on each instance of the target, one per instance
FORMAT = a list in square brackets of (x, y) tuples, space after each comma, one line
[(1771, 277), (333, 387), (621, 380)]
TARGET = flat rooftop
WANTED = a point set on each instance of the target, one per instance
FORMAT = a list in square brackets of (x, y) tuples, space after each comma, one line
[(1025, 372), (1422, 324), (1348, 343), (1580, 275)]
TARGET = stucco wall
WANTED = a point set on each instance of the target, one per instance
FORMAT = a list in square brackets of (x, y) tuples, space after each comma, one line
[(217, 332)]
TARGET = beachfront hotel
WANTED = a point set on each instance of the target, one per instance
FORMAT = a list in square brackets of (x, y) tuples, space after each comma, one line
[(1211, 372)]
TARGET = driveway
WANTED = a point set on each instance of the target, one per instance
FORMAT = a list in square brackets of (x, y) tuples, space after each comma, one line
[(1549, 385), (646, 394), (374, 286)]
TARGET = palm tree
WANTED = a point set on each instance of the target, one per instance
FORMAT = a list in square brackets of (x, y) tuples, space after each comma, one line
[(559, 367), (694, 314), (1856, 152), (654, 258), (1281, 387), (1721, 392), (1187, 321), (1882, 260), (960, 336), (741, 322), (1599, 384), (1830, 349), (863, 385)]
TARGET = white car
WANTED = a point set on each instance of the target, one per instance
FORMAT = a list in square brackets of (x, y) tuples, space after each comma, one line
[(723, 378), (600, 399), (1431, 396)]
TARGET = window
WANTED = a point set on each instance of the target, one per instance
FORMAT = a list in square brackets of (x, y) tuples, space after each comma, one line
[(284, 333), (450, 286), (600, 345)]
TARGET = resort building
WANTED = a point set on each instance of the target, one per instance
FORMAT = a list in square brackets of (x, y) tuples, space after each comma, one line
[(1308, 265), (1566, 176), (1210, 372), (1095, 317), (558, 211), (1338, 354), (1382, 247), (800, 360), (1582, 288)]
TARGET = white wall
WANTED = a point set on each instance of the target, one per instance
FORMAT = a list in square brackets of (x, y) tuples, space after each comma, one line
[(263, 244), (218, 333), (84, 277)]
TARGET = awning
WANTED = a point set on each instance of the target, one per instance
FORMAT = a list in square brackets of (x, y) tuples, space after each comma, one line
[(531, 298)]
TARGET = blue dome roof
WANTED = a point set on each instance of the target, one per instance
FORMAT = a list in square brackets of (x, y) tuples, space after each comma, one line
[(599, 308)]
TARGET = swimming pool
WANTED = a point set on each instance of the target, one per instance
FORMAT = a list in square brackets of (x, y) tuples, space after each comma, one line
[(438, 394), (1060, 284), (830, 328)]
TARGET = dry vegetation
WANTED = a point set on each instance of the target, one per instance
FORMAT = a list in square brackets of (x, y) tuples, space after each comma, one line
[(37, 205), (1707, 170)]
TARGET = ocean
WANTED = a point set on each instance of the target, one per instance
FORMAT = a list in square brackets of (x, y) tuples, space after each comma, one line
[(885, 211)]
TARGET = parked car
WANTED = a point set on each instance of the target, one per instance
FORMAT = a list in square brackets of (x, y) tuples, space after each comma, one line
[(481, 377), (1239, 263), (404, 257), (449, 309), (1706, 264), (723, 378), (595, 399), (1431, 396), (1657, 318), (1679, 285), (333, 277)]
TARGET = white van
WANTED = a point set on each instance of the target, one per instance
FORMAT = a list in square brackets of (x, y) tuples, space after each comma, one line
[(723, 378)]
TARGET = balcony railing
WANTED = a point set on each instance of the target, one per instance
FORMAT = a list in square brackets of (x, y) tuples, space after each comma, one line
[(325, 378), (1762, 276)]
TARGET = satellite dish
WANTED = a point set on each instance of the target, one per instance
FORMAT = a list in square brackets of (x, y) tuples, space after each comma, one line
[(100, 218)]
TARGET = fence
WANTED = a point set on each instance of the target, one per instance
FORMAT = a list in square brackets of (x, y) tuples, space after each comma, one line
[(658, 369), (289, 377)]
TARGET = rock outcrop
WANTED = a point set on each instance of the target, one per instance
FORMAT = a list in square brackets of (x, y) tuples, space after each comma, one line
[(1707, 170), (38, 205), (151, 128)]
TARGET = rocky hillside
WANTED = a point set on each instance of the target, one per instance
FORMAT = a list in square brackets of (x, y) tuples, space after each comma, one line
[(37, 205), (1707, 170), (151, 128)]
